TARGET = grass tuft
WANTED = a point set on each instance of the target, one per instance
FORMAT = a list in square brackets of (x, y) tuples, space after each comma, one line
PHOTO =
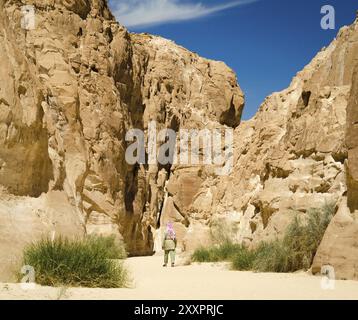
[(221, 252), (243, 259), (85, 262), (294, 252)]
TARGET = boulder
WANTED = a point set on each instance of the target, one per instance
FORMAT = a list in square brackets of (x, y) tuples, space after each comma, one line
[(339, 247)]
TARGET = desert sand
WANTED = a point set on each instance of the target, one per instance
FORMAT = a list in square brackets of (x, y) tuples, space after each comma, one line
[(196, 281)]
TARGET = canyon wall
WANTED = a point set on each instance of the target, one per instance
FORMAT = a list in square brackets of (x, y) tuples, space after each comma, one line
[(291, 155), (74, 85), (71, 88), (299, 152), (339, 247)]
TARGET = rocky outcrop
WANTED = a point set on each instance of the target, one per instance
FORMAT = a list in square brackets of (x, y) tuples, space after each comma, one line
[(178, 90), (352, 143), (25, 219), (339, 247), (71, 88), (291, 156)]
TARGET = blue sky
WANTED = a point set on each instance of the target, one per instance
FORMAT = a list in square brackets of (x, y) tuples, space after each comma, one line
[(266, 42)]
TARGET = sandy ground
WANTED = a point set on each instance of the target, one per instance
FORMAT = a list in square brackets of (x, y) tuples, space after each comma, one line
[(198, 281)]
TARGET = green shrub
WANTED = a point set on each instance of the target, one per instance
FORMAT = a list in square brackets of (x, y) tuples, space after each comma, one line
[(304, 237), (226, 251), (243, 259), (82, 262), (202, 255), (113, 249), (294, 252), (270, 257), (223, 252), (299, 245)]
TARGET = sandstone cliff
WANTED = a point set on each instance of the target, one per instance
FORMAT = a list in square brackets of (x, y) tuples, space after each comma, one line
[(339, 247), (293, 156), (73, 86), (70, 90)]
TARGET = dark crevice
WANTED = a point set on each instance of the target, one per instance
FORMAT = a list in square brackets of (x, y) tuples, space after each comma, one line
[(108, 34), (340, 156), (174, 125), (94, 68), (306, 95), (131, 189), (229, 117), (80, 32)]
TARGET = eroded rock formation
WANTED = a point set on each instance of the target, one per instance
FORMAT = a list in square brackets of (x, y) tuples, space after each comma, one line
[(352, 142), (295, 155), (339, 247), (71, 88), (291, 155)]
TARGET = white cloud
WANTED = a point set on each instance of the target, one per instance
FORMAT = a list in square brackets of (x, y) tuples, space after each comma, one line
[(139, 13)]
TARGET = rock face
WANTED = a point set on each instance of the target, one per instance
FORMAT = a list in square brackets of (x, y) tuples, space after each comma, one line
[(71, 88), (291, 156), (75, 84), (339, 247), (352, 143), (24, 219)]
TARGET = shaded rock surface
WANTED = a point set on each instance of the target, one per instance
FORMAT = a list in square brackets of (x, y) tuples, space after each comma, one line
[(291, 155), (339, 247), (71, 88), (297, 153), (352, 143)]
